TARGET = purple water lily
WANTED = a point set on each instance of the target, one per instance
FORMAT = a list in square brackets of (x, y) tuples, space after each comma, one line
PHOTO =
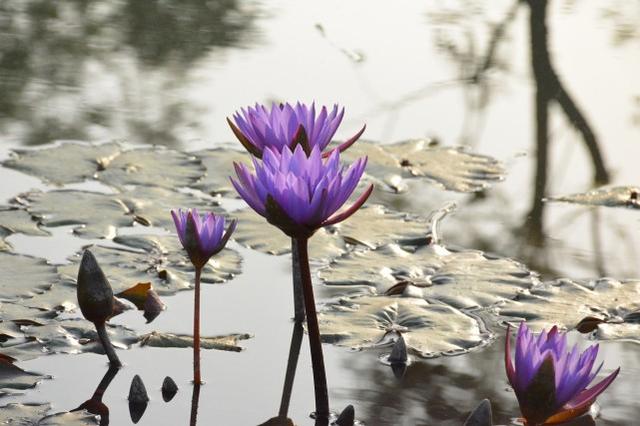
[(300, 194), (288, 125), (202, 237), (550, 381)]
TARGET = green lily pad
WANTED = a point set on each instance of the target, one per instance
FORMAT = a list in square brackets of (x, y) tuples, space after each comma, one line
[(618, 196), (151, 206), (462, 279), (23, 414), (160, 260), (75, 336), (255, 232), (566, 302), (375, 225), (81, 161), (169, 340), (151, 166), (19, 221), (100, 215), (14, 377), (453, 168), (36, 414), (97, 215), (24, 276), (429, 329), (219, 166)]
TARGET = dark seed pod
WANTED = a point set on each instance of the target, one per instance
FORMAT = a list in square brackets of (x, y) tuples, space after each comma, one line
[(481, 416), (95, 296), (137, 391), (347, 417), (169, 389), (399, 352)]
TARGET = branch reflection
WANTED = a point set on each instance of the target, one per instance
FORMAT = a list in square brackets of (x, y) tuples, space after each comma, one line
[(94, 405)]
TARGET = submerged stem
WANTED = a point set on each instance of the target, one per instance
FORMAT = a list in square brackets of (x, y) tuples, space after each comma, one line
[(292, 365), (317, 359), (195, 399), (196, 330), (101, 328), (298, 297)]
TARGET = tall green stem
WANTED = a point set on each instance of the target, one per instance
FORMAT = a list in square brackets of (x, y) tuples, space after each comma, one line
[(317, 359), (292, 365), (106, 344), (196, 331), (298, 297), (195, 399)]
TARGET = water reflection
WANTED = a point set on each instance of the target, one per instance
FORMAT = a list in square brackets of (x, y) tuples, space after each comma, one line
[(94, 405), (292, 364), (86, 69)]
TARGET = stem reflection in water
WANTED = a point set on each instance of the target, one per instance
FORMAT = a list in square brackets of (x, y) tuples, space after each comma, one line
[(94, 405)]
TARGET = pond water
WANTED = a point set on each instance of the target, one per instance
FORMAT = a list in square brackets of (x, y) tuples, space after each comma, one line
[(459, 72)]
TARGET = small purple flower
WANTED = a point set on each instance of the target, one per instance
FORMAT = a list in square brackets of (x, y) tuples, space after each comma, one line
[(201, 236), (550, 381), (258, 128), (298, 193)]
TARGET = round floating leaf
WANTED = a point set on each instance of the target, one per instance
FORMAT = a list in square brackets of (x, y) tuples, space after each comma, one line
[(13, 377), (159, 260), (255, 232), (81, 161), (429, 330), (151, 166), (24, 276), (462, 279), (18, 221), (23, 414), (618, 196), (152, 206), (383, 169), (75, 336), (374, 225), (454, 169), (77, 418), (219, 166), (98, 214), (566, 303), (169, 340)]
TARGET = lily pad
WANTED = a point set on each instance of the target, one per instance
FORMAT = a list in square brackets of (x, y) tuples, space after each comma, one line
[(151, 206), (462, 279), (75, 336), (81, 161), (374, 225), (100, 215), (255, 232), (618, 196), (151, 166), (159, 260), (169, 340), (566, 302), (18, 221), (14, 377), (24, 276), (36, 414), (219, 166), (452, 168), (97, 215), (429, 329)]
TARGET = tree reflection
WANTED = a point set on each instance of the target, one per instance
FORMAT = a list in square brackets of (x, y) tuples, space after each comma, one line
[(95, 68)]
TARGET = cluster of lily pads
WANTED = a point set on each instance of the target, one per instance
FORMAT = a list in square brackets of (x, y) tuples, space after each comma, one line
[(395, 283)]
